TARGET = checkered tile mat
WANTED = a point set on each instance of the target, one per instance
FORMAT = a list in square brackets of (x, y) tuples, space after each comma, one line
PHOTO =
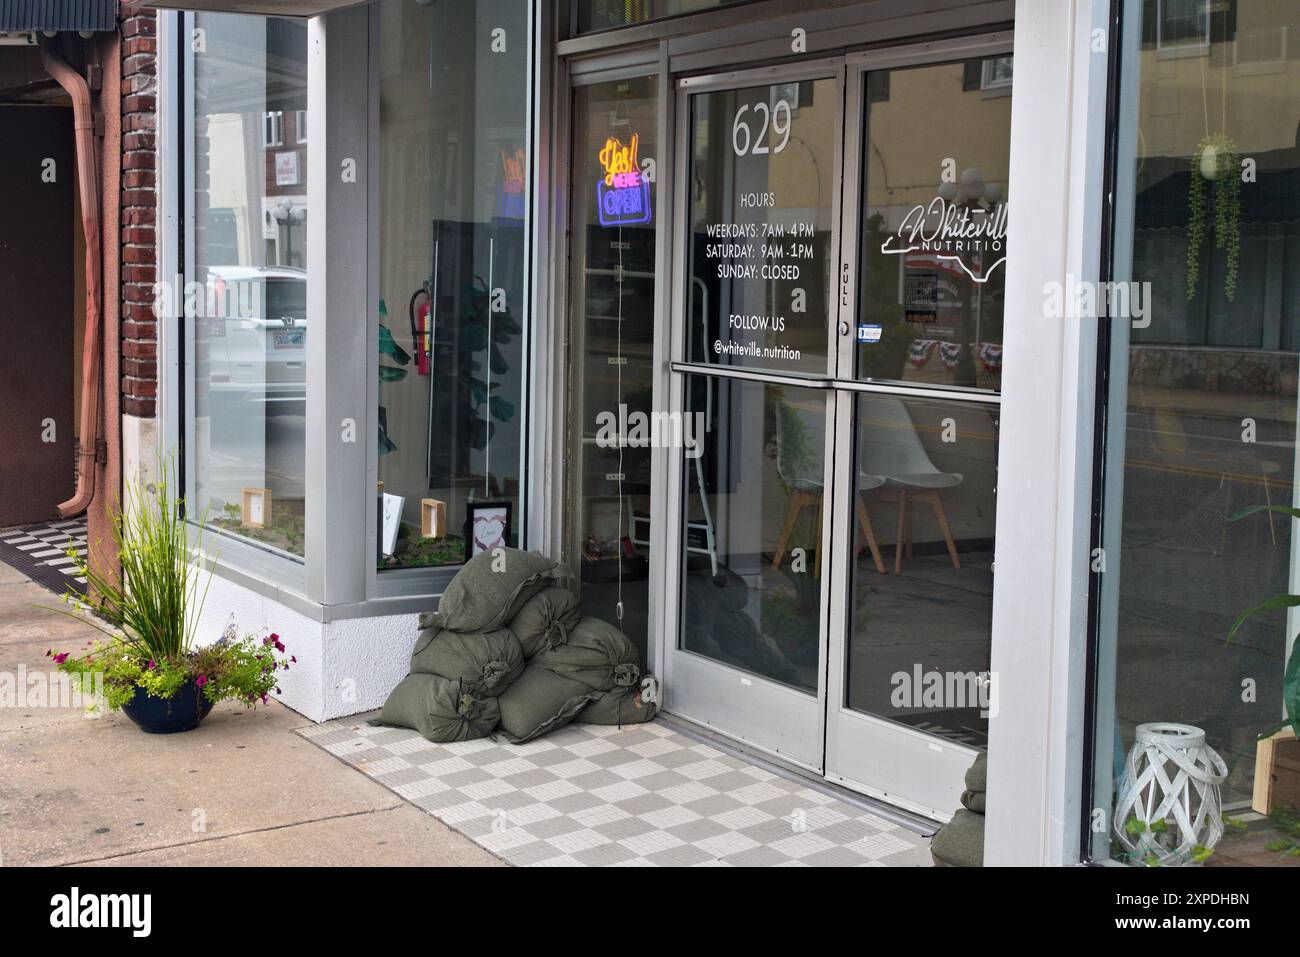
[(41, 553), (644, 795)]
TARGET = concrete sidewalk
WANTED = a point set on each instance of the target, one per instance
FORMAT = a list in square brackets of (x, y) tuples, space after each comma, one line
[(243, 789)]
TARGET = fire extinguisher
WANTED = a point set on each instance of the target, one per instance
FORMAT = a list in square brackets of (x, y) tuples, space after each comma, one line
[(421, 317)]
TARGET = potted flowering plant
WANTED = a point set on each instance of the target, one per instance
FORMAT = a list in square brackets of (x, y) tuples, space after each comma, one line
[(164, 695), (148, 661)]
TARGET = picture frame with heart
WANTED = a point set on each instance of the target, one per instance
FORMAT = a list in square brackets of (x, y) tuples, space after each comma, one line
[(487, 526)]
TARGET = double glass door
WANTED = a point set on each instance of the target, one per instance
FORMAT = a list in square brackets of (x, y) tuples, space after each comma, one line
[(839, 254)]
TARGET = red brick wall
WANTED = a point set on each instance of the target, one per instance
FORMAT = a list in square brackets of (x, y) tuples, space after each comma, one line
[(139, 49)]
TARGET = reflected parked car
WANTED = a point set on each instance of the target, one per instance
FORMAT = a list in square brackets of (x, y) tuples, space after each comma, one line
[(257, 346)]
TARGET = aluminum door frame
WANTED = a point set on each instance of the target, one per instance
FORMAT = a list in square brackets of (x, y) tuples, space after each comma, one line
[(763, 714), (883, 758)]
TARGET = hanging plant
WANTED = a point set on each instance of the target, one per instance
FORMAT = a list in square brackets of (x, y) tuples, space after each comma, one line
[(1215, 161)]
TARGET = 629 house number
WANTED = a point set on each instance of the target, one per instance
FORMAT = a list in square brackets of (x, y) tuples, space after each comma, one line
[(772, 116)]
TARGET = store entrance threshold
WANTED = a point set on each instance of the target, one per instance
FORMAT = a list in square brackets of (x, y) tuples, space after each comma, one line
[(904, 818)]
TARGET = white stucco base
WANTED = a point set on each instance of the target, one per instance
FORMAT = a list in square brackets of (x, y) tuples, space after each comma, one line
[(344, 667), (140, 458)]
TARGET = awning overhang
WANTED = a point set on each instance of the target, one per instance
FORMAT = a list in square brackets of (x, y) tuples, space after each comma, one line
[(33, 16), (265, 8)]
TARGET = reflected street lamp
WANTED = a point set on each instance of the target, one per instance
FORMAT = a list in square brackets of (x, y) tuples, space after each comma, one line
[(286, 213)]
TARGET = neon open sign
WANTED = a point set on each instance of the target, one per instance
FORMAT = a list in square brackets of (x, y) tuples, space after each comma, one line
[(623, 196)]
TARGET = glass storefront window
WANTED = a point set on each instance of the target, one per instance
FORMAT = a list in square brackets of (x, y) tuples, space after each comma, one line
[(245, 298), (1201, 430), (593, 15), (752, 527), (452, 307), (922, 598), (934, 220), (761, 233), (611, 349)]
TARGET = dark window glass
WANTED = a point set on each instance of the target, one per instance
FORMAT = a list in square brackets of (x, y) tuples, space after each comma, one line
[(1201, 444), (593, 15), (761, 226), (611, 349), (934, 213), (453, 151), (753, 521)]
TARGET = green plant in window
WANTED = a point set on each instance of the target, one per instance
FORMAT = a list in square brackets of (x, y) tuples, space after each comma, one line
[(1285, 823), (1135, 827), (486, 328), (388, 373), (1291, 677), (1214, 161)]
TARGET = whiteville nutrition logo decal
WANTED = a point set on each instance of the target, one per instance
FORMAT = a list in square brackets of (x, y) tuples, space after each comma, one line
[(971, 236)]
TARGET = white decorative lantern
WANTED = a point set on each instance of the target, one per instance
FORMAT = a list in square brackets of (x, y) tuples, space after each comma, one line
[(1171, 779)]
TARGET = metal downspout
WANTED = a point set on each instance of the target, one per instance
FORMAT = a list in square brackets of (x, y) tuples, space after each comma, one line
[(91, 357)]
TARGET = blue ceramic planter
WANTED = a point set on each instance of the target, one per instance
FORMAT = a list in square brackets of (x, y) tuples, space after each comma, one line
[(181, 712)]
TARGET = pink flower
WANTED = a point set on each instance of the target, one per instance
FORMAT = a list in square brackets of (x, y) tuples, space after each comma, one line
[(279, 647), (294, 659), (61, 658), (201, 680), (149, 666), (265, 699)]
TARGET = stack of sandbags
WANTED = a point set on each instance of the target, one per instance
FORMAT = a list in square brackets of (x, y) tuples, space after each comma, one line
[(960, 842), (508, 647), (589, 673)]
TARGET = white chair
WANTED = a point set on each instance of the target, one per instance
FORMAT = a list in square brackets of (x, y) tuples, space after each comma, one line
[(890, 448), (803, 478)]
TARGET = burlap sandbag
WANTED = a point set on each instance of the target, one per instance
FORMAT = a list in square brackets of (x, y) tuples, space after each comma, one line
[(441, 709), (596, 654), (618, 707), (490, 589), (486, 662), (540, 701), (544, 621), (960, 842), (977, 776)]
